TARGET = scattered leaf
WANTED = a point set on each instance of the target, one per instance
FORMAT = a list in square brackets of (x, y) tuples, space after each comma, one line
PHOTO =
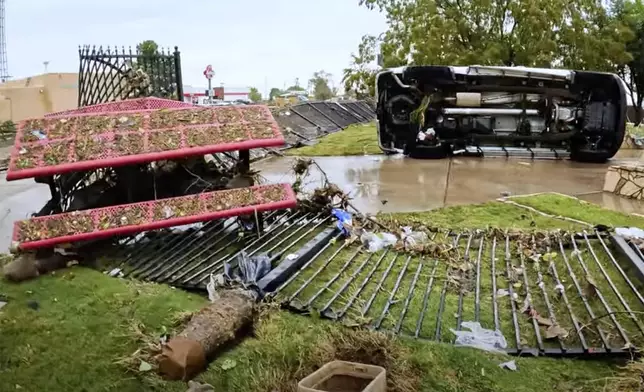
[(555, 331), (549, 256), (145, 367), (591, 287), (543, 321), (536, 257), (526, 305), (517, 285), (228, 364)]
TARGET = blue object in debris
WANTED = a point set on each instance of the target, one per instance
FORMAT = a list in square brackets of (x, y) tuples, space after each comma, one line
[(344, 220)]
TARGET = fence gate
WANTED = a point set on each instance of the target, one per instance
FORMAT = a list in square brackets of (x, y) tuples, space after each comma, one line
[(107, 75)]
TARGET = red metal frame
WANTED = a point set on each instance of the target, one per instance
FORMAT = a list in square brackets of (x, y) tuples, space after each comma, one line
[(289, 201), (123, 106), (111, 158)]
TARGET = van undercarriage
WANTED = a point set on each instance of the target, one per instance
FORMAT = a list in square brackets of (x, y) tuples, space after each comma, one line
[(435, 111)]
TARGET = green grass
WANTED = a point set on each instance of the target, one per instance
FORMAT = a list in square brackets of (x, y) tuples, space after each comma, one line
[(83, 327), (491, 214), (555, 204), (358, 139), (84, 323)]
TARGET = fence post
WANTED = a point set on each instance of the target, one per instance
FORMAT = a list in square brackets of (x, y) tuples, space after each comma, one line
[(177, 70)]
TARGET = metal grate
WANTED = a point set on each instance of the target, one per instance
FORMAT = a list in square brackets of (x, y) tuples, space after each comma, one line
[(137, 104), (61, 145), (107, 75), (125, 219), (187, 258), (562, 295)]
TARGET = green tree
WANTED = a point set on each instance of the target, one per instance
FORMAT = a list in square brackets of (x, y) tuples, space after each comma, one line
[(254, 95), (148, 48), (275, 92), (296, 86), (578, 34), (360, 78), (151, 61), (631, 13), (319, 84)]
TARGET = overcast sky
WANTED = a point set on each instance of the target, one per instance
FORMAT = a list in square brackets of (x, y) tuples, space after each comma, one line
[(246, 41)]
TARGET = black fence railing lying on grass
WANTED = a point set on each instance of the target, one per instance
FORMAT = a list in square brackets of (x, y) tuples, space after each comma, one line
[(113, 74), (186, 259), (577, 297)]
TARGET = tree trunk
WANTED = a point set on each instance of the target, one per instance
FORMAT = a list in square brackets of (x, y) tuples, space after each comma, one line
[(638, 112), (185, 355)]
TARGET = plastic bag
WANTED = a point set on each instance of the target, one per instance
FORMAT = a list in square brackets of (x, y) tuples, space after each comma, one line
[(248, 269), (479, 337), (510, 365), (376, 242), (245, 271), (412, 239), (345, 222)]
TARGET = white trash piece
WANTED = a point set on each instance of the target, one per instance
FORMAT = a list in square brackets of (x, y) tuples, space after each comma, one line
[(412, 238), (479, 337), (376, 242)]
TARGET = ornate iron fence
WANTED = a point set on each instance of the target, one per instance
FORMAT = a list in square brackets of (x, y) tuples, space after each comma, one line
[(107, 75)]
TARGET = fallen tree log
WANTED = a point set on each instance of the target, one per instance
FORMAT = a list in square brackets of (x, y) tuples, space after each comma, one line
[(186, 354)]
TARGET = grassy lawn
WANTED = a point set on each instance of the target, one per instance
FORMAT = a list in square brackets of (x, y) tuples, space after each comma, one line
[(358, 139), (578, 209), (87, 322)]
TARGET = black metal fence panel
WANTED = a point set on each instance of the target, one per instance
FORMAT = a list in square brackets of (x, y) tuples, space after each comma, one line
[(188, 258), (556, 295), (113, 74), (305, 122)]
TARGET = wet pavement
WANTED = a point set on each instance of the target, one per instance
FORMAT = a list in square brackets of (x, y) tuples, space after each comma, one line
[(18, 199), (396, 184)]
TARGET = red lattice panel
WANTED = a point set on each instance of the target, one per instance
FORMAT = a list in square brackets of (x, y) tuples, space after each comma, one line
[(62, 144), (47, 231), (126, 105)]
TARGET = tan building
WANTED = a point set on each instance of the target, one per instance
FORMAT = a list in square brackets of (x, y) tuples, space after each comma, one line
[(38, 95)]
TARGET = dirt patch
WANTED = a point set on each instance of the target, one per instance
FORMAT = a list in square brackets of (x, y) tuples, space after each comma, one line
[(342, 383)]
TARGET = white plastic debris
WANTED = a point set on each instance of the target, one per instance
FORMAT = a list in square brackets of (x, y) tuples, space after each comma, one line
[(215, 282), (292, 256), (421, 136), (630, 232), (167, 212), (559, 288), (510, 365), (2, 304), (502, 293), (412, 238), (376, 242), (116, 272), (479, 337)]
